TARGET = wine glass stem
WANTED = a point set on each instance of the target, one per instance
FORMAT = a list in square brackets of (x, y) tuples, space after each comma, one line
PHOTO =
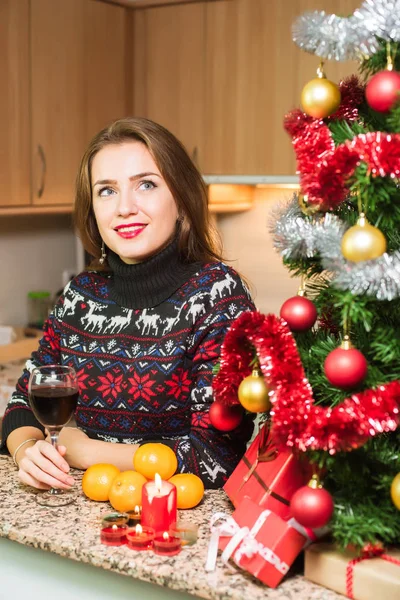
[(54, 439)]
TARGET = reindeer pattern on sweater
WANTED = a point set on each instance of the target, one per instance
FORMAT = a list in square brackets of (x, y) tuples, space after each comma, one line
[(146, 374)]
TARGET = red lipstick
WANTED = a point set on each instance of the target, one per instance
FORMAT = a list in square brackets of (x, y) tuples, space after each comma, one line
[(124, 232)]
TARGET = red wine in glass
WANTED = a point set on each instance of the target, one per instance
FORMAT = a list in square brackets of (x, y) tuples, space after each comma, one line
[(53, 406), (53, 395)]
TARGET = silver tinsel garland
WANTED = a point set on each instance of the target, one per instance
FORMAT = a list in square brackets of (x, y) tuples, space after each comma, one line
[(296, 236), (380, 17), (343, 38), (332, 37)]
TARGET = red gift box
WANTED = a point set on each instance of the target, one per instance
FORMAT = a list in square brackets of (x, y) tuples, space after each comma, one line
[(268, 476), (264, 544)]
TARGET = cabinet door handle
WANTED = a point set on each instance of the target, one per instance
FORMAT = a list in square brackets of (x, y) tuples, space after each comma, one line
[(43, 178)]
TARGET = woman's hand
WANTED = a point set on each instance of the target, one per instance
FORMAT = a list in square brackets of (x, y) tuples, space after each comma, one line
[(43, 467), (78, 445)]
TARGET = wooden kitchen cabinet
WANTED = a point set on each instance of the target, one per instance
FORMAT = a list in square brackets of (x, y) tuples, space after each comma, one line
[(169, 71), (14, 103), (79, 66), (250, 72), (254, 76)]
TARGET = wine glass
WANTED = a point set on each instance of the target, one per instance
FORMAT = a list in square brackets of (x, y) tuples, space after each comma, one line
[(53, 394)]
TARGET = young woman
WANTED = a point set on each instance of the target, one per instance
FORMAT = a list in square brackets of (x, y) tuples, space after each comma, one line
[(143, 330)]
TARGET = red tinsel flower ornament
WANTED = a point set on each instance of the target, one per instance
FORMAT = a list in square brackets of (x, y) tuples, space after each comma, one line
[(297, 422), (323, 168), (352, 95)]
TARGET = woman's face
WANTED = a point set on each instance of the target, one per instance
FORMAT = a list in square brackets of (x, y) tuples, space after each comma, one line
[(135, 211)]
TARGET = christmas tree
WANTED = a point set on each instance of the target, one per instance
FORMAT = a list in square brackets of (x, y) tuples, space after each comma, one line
[(331, 363)]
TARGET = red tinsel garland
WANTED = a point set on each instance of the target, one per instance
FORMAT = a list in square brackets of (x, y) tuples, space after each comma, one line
[(324, 169), (352, 95), (297, 422)]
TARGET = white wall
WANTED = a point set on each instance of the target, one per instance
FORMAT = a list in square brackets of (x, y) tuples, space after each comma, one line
[(248, 246), (34, 250)]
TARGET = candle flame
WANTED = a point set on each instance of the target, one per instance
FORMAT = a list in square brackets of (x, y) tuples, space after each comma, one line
[(138, 528), (114, 527), (158, 482), (138, 510), (165, 535)]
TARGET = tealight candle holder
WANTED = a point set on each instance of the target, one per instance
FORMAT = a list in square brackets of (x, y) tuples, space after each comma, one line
[(188, 532), (167, 544), (140, 538), (134, 516), (114, 535), (114, 518)]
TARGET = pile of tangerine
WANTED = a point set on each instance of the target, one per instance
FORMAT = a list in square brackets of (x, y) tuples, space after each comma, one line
[(103, 481)]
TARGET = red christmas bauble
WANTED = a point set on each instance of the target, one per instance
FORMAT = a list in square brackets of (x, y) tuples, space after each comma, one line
[(312, 507), (383, 90), (299, 313), (225, 418), (345, 368)]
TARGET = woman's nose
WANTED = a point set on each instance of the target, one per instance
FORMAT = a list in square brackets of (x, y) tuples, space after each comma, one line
[(127, 204)]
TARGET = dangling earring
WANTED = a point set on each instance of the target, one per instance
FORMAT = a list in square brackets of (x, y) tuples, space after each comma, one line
[(103, 254)]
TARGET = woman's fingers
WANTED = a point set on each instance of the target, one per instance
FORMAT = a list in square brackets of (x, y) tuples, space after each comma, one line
[(45, 476), (51, 453), (29, 480), (62, 450), (42, 464)]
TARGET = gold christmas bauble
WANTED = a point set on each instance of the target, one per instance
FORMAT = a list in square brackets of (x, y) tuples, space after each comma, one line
[(320, 98), (253, 393), (363, 242), (395, 491)]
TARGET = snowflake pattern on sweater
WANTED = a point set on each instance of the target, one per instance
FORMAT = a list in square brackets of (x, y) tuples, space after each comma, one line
[(146, 374)]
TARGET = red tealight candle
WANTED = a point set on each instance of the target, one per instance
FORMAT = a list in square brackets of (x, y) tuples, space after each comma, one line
[(114, 535), (134, 516), (159, 504), (140, 538), (166, 544)]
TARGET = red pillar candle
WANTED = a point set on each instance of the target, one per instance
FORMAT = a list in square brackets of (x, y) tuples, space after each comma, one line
[(159, 504)]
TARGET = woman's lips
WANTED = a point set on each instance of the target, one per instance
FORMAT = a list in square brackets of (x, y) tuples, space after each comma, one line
[(130, 231)]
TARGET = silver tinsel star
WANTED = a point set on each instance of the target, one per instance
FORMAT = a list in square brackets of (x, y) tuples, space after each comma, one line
[(296, 236)]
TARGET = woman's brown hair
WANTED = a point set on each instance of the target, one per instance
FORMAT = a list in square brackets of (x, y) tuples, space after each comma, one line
[(198, 238)]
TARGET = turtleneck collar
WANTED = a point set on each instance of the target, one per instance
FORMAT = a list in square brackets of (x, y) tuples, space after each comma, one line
[(151, 282)]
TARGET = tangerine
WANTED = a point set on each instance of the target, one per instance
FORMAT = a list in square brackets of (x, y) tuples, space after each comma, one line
[(189, 489), (153, 458), (97, 480), (126, 491)]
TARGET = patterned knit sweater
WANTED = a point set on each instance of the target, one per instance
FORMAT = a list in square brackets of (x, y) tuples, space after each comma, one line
[(143, 340)]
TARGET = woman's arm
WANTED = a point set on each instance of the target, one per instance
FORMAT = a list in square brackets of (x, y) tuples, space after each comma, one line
[(207, 452), (82, 451), (40, 465), (18, 413)]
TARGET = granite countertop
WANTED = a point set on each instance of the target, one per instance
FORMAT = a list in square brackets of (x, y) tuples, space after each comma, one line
[(73, 532)]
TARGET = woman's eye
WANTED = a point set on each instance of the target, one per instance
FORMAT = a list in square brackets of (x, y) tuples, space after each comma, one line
[(146, 185), (105, 191)]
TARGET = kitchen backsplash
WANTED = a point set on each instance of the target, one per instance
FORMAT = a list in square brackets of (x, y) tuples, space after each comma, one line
[(34, 252)]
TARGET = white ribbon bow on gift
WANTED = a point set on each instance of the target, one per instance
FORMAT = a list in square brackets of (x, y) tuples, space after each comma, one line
[(245, 538)]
